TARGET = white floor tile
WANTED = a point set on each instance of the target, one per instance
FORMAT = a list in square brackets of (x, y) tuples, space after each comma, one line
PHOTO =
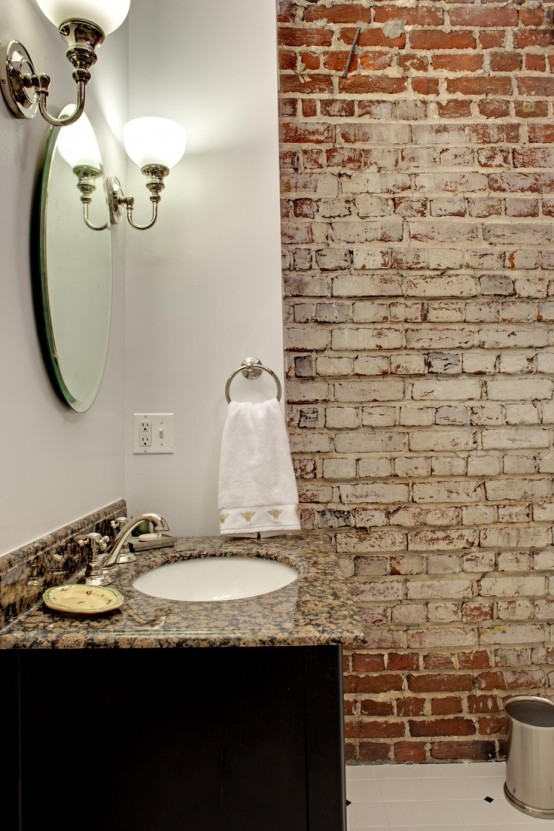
[(469, 812), (483, 770), (360, 772), (373, 828), (408, 772), (363, 790), (366, 815), (405, 814), (433, 797)]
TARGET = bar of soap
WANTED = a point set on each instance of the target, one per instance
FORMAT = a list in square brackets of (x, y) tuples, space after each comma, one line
[(146, 541)]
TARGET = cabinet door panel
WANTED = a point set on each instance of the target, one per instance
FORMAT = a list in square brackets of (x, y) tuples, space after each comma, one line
[(149, 740)]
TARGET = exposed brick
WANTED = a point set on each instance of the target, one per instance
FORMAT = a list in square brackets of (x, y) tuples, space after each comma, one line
[(442, 727), (418, 277)]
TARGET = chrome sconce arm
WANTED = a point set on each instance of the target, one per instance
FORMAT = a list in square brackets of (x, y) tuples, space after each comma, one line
[(26, 91), (86, 175), (119, 203), (155, 144)]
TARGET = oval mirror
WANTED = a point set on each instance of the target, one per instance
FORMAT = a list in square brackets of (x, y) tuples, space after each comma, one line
[(75, 263)]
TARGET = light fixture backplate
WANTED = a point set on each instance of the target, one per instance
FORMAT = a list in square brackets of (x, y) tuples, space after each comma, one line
[(15, 62), (115, 197)]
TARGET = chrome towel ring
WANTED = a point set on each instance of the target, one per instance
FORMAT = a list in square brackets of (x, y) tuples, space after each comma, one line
[(252, 368)]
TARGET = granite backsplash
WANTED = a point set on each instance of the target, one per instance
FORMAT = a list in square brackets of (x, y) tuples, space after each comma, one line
[(50, 560)]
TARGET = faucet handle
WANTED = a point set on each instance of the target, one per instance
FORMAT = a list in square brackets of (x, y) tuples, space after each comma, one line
[(117, 524), (95, 544)]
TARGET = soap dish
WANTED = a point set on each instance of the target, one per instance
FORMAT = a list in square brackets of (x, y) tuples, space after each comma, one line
[(144, 542), (82, 599)]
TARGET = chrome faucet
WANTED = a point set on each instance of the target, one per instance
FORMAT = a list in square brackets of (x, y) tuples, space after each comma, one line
[(114, 550)]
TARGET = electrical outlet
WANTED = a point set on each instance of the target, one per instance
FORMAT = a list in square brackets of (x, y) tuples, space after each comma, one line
[(153, 433)]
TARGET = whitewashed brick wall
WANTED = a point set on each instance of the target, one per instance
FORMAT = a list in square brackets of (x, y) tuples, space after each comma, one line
[(418, 266)]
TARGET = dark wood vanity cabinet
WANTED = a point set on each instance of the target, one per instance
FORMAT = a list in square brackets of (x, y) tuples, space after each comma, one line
[(192, 739)]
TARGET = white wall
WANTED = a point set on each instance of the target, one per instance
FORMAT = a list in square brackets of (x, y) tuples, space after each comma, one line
[(204, 285), (55, 465)]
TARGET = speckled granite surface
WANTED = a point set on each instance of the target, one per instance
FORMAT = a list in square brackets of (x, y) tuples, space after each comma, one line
[(26, 572), (315, 609)]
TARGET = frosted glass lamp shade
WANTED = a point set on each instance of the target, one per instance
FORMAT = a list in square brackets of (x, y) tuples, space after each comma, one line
[(154, 141), (77, 143), (108, 14)]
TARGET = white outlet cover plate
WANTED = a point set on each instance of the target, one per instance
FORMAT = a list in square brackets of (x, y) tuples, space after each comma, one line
[(161, 431)]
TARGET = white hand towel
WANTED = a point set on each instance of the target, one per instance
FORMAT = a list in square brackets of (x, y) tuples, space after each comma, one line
[(257, 488)]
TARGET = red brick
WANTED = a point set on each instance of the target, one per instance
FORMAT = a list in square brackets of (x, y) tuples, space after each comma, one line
[(490, 725), (505, 61), (375, 61), (309, 108), (442, 727), (477, 751), (308, 85), (531, 109), (364, 662), (372, 683), (495, 133), (409, 752), (492, 39), (375, 729), (447, 682), (373, 36), (533, 157), (463, 62), (413, 61), (336, 61), (533, 85), (338, 13), (399, 661), (474, 660), (496, 85), (525, 38), (374, 752), (446, 706), (310, 61), (491, 681), (410, 706), (423, 16), (455, 108), (425, 86), (489, 108), (483, 17), (337, 108), (349, 707), (531, 16), (535, 63), (287, 60), (345, 158), (541, 133), (350, 752), (482, 704), (426, 39), (437, 660), (374, 84), (376, 707), (305, 36), (306, 134)]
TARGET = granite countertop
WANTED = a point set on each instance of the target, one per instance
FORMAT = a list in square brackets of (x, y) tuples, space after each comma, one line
[(315, 609)]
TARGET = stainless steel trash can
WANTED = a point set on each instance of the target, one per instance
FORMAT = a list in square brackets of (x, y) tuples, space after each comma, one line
[(529, 782)]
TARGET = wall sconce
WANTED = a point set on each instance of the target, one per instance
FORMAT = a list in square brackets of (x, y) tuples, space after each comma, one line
[(83, 25), (155, 145), (78, 146)]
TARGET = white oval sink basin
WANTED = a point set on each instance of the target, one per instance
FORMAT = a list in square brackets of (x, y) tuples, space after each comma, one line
[(215, 578)]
